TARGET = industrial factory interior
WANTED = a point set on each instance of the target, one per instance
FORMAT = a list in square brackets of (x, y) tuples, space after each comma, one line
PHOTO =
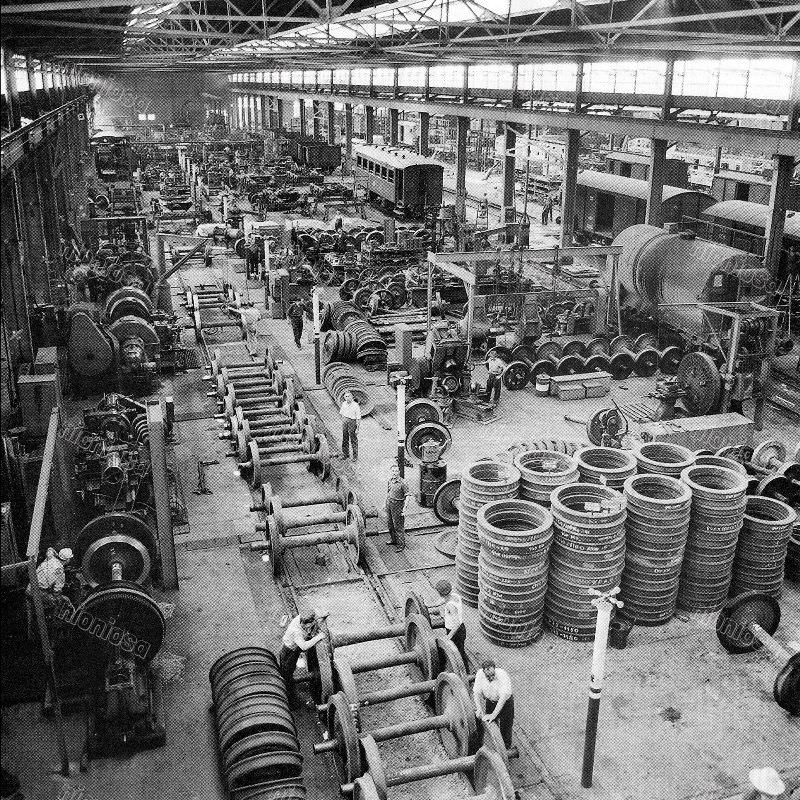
[(400, 400)]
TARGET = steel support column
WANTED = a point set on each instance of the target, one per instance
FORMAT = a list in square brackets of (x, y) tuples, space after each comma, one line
[(12, 96), (279, 113), (303, 118), (655, 183), (31, 72), (394, 126), (158, 466), (330, 110), (315, 119), (783, 167), (369, 114), (569, 187), (424, 132), (462, 128), (509, 166), (348, 138)]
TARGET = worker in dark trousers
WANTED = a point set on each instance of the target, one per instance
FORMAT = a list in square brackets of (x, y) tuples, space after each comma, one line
[(301, 634), (295, 314), (251, 255), (496, 367), (398, 496), (451, 610), (350, 411), (494, 700)]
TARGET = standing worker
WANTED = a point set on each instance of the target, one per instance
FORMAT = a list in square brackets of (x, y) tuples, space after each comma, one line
[(52, 579), (295, 314), (301, 634), (451, 609), (496, 367), (398, 496), (494, 701), (251, 255), (351, 421)]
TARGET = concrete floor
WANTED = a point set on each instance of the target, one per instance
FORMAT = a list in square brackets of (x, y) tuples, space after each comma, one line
[(681, 719)]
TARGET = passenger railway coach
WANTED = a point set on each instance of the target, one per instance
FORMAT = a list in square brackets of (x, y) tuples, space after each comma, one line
[(403, 180)]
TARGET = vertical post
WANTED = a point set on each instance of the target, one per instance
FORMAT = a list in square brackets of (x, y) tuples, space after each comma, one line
[(12, 96), (267, 263), (509, 167), (348, 135), (424, 132), (604, 602), (331, 117), (401, 426), (302, 118), (315, 118), (782, 169), (29, 69), (369, 113), (158, 468), (569, 187), (470, 318), (394, 125), (32, 553), (462, 127), (655, 183), (317, 355)]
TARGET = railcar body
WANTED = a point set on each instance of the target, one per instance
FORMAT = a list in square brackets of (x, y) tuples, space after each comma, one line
[(404, 181), (606, 204)]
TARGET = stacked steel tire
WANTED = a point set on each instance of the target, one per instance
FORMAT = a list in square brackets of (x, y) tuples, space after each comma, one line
[(721, 461), (762, 545), (606, 465), (542, 471), (663, 458), (258, 746), (655, 538), (718, 505), (340, 378), (483, 482), (515, 537), (588, 552), (339, 346), (369, 345)]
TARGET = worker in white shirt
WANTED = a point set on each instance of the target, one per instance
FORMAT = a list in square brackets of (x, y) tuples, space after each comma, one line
[(451, 609), (351, 421), (495, 367), (494, 701), (52, 578), (301, 634)]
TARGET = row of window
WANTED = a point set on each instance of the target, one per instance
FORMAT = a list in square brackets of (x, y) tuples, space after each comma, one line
[(380, 170), (762, 79)]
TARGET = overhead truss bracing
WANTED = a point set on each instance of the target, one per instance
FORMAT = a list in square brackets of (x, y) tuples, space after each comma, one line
[(226, 34)]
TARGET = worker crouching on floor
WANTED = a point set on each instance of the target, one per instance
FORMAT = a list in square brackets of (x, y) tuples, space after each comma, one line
[(451, 610), (301, 634), (494, 701), (398, 496)]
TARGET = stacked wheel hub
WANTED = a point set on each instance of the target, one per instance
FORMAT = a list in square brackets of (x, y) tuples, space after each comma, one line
[(588, 552), (606, 465), (515, 537), (718, 504), (761, 547), (655, 536), (483, 482)]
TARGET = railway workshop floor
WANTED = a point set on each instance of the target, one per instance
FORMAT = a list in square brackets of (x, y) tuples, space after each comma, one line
[(681, 719)]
